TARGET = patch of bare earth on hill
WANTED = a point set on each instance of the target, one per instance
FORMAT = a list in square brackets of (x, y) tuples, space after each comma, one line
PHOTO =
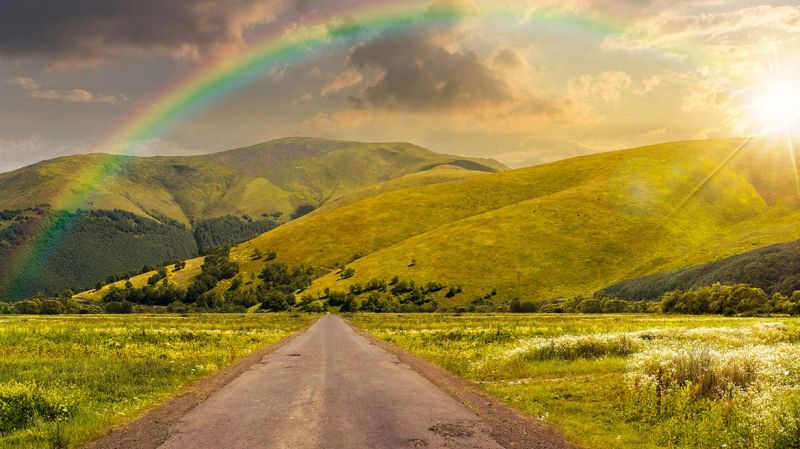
[(510, 428), (153, 428)]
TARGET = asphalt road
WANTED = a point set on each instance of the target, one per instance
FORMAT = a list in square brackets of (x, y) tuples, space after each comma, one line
[(330, 388)]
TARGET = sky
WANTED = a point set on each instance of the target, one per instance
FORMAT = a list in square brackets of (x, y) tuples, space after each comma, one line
[(521, 81)]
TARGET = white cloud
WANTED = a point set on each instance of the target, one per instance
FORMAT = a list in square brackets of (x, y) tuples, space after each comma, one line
[(33, 89), (342, 81), (607, 86), (734, 32)]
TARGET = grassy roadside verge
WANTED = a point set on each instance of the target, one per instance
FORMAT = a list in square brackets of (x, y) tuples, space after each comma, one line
[(589, 374), (65, 380)]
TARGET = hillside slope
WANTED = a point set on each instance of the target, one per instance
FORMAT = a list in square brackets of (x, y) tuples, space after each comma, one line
[(278, 176), (775, 268), (565, 228), (209, 200)]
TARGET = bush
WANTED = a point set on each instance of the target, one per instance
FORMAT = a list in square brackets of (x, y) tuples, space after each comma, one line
[(119, 307), (28, 307), (53, 307), (89, 309), (241, 297), (374, 303), (349, 304), (336, 298), (316, 306), (452, 292), (276, 300), (518, 306)]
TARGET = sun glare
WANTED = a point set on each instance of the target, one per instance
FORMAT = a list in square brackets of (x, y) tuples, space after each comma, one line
[(775, 107)]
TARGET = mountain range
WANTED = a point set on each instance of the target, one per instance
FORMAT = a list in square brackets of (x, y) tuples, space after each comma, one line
[(74, 221), (562, 229)]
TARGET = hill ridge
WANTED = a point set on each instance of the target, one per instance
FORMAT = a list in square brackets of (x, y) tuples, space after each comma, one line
[(218, 198)]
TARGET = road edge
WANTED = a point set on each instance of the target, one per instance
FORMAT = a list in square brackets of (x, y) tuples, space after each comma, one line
[(510, 427), (151, 429)]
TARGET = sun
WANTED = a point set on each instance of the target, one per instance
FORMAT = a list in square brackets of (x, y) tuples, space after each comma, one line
[(775, 107)]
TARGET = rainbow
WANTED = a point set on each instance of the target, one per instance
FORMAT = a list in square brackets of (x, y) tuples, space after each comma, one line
[(205, 83)]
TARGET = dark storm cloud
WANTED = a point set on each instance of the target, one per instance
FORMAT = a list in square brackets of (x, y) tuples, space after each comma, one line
[(419, 72), (66, 30)]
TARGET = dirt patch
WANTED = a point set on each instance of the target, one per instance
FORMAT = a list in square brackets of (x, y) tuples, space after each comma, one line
[(509, 428), (452, 430), (153, 428)]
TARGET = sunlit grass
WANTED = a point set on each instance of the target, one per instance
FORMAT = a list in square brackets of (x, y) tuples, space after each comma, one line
[(65, 380), (592, 376)]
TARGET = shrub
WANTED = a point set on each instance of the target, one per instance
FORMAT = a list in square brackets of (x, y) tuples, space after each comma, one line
[(89, 309), (336, 298), (119, 307), (374, 303), (277, 301), (453, 291), (28, 307), (349, 304), (518, 306), (316, 306), (53, 307)]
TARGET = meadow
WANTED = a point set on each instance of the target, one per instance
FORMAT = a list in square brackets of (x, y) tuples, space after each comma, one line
[(65, 380), (624, 381)]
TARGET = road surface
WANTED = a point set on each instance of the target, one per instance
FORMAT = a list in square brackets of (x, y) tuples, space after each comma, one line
[(329, 388)]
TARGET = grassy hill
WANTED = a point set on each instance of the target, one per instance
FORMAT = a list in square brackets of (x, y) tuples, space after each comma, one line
[(566, 228), (775, 268), (278, 176), (211, 200)]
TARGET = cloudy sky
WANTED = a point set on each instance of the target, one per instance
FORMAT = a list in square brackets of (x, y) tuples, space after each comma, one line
[(521, 81)]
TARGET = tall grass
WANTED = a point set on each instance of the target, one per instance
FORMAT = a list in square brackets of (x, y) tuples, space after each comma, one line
[(702, 397), (573, 347), (64, 380), (625, 381)]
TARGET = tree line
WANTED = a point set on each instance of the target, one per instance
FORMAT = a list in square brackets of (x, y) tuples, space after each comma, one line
[(278, 286)]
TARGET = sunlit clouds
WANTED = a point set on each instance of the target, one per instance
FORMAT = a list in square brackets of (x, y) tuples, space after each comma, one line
[(520, 81)]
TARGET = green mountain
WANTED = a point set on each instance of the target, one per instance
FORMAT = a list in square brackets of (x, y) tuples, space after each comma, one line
[(561, 229), (73, 221), (774, 269)]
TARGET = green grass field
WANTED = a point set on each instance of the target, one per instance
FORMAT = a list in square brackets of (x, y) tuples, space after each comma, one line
[(624, 381), (66, 380)]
